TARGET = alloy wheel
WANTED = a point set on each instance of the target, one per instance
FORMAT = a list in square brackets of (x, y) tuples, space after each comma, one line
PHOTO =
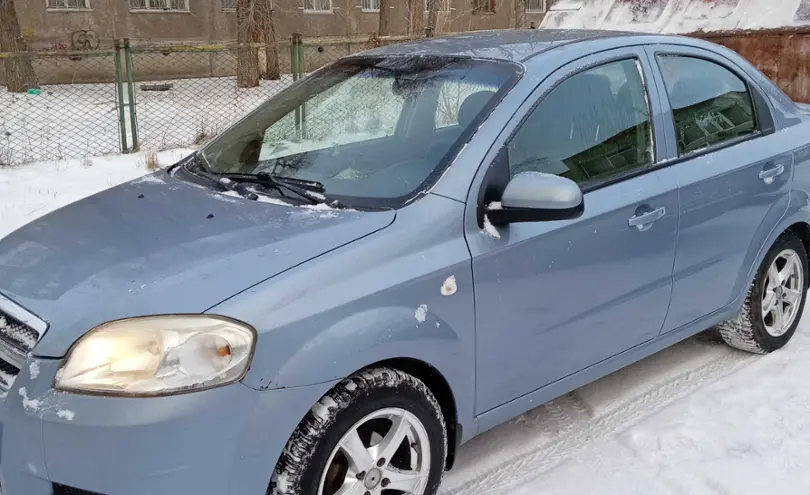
[(784, 288), (385, 453)]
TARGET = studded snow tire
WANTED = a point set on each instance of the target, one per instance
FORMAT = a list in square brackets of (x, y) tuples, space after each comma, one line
[(301, 466), (748, 330)]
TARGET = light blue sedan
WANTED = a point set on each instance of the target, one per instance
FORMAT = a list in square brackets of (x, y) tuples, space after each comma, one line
[(397, 253)]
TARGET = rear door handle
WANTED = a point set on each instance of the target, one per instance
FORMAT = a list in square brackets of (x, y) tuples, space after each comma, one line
[(645, 220), (768, 175)]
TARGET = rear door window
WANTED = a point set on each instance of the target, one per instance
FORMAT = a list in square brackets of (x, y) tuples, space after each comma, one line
[(710, 104)]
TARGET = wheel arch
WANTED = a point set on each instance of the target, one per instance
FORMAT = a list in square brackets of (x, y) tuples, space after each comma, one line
[(441, 389), (796, 222), (802, 231)]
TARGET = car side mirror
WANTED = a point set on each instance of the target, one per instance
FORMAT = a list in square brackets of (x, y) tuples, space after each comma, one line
[(538, 197)]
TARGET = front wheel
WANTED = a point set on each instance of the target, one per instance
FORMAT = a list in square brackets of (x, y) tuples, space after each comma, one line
[(775, 301), (379, 432)]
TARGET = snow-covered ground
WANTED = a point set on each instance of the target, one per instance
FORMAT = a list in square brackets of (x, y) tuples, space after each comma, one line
[(33, 190), (677, 16), (78, 120), (698, 418)]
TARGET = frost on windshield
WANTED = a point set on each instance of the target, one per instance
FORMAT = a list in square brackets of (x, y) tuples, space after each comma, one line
[(349, 127), (636, 11), (710, 9), (358, 109), (452, 96)]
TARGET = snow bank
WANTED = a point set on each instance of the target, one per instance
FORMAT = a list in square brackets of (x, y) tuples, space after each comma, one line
[(77, 120), (677, 16), (36, 189)]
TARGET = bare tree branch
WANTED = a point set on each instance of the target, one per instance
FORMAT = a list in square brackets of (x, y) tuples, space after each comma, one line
[(413, 16)]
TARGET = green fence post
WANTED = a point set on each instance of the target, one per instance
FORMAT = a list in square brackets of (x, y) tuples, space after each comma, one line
[(133, 112), (293, 57), (294, 69), (301, 72), (119, 89)]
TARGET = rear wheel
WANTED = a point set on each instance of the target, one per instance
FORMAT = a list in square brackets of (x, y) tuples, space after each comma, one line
[(379, 432), (775, 301)]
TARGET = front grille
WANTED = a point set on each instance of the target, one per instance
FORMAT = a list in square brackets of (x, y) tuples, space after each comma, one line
[(18, 333), (67, 490), (17, 339), (8, 373), (8, 368)]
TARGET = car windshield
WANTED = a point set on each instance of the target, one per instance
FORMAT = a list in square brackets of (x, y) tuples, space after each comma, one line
[(375, 131)]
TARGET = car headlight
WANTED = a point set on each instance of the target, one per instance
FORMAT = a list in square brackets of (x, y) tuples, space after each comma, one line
[(158, 355)]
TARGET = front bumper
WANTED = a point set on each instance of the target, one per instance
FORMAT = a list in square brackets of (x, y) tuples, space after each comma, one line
[(220, 441)]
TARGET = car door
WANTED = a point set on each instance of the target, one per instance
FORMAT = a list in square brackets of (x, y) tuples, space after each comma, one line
[(553, 298), (733, 189)]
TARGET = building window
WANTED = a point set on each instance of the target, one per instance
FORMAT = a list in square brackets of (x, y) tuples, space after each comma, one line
[(444, 5), (535, 6), (319, 5), (68, 4), (484, 6), (165, 5), (371, 5)]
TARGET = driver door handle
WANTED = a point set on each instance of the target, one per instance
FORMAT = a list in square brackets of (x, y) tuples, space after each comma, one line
[(770, 174), (644, 220)]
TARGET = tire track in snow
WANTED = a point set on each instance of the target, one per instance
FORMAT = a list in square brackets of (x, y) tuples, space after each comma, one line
[(526, 447)]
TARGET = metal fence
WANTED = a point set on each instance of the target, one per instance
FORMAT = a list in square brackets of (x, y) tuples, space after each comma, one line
[(65, 120), (147, 97), (157, 97), (187, 94)]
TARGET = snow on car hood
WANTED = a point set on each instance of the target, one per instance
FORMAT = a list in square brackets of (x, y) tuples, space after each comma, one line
[(159, 245)]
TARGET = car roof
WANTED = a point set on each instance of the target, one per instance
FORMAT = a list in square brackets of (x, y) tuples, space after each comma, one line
[(505, 44)]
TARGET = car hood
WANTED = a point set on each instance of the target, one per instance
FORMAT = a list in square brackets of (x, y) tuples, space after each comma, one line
[(160, 245)]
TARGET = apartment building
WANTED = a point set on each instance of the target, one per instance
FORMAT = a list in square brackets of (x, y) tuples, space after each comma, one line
[(83, 24)]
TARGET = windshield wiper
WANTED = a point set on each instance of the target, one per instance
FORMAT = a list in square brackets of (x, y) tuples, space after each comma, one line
[(310, 185), (226, 184), (307, 189)]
